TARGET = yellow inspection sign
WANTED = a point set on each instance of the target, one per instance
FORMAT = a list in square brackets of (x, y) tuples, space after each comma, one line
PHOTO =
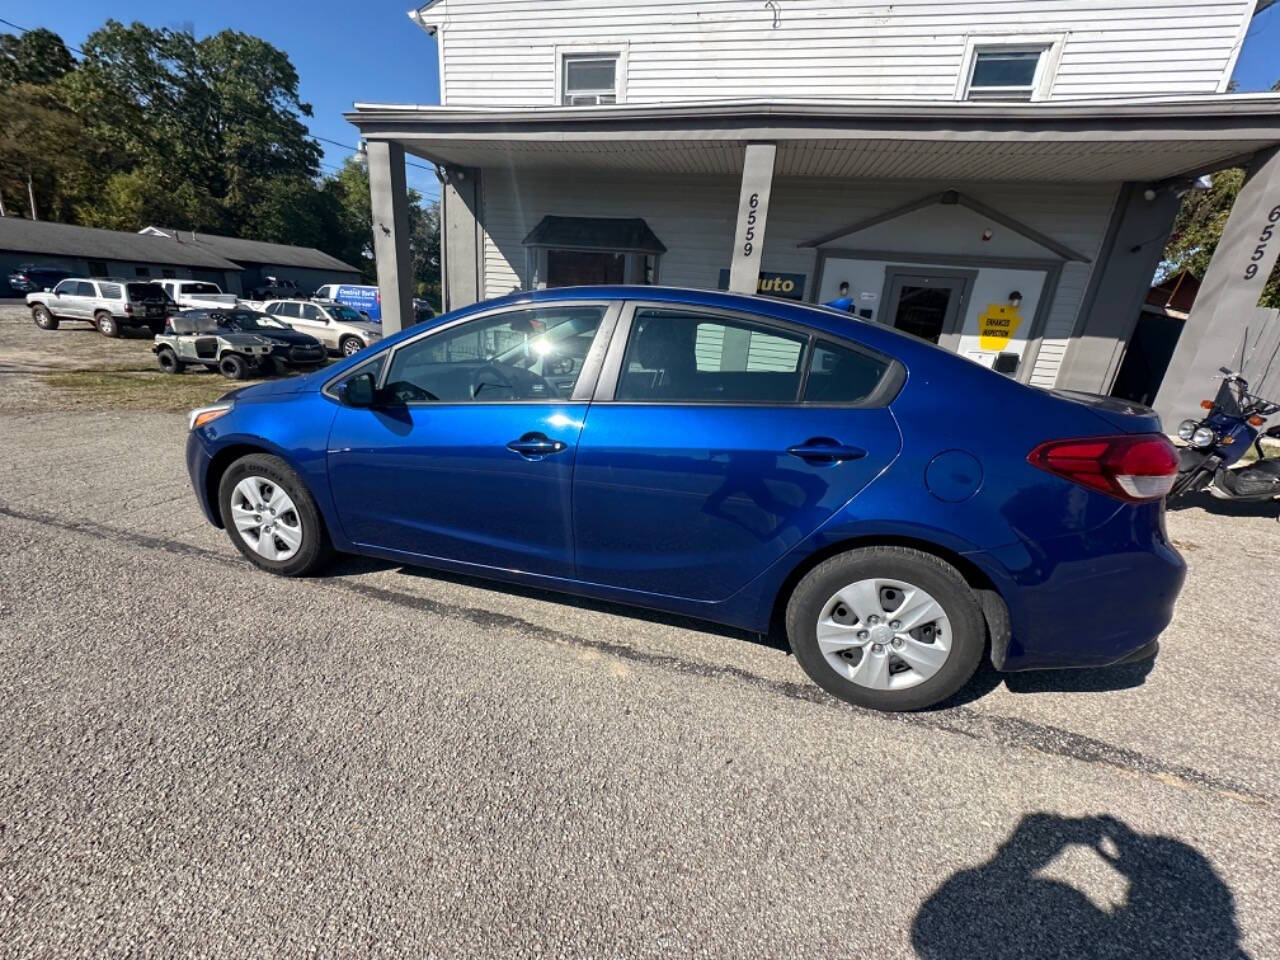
[(996, 326)]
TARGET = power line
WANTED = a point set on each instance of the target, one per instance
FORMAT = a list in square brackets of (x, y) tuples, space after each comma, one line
[(10, 23), (347, 146)]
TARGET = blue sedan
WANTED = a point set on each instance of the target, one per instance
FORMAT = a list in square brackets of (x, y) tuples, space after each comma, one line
[(898, 510)]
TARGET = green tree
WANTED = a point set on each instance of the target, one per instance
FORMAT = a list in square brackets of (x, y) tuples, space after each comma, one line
[(1199, 225), (37, 57), (215, 120), (40, 139)]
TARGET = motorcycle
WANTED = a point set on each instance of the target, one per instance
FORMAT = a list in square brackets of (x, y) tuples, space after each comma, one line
[(1232, 425)]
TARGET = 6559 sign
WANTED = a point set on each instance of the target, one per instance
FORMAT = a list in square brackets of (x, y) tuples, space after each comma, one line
[(1264, 238), (749, 235)]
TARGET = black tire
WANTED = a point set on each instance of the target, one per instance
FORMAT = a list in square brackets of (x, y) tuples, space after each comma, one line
[(315, 550), (233, 367), (938, 578), (168, 360), (43, 318), (106, 324), (350, 346)]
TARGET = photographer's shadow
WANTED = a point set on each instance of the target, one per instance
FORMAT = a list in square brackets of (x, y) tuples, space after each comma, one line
[(1176, 906)]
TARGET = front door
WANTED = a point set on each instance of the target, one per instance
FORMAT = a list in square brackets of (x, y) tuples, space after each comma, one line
[(928, 305), (469, 454), (313, 320), (703, 467)]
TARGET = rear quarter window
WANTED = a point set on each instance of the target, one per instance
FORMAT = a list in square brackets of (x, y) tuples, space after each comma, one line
[(846, 375), (110, 291)]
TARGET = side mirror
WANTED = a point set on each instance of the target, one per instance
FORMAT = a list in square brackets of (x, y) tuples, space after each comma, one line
[(359, 391)]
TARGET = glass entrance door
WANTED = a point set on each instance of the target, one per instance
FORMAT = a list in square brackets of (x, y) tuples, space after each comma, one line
[(927, 305)]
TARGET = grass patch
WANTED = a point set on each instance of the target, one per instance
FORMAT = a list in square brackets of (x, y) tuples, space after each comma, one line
[(133, 389)]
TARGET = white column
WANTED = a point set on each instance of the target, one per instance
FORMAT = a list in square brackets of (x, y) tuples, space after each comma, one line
[(753, 211), (1226, 304), (389, 198)]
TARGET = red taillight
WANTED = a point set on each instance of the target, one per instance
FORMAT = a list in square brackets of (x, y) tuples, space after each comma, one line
[(1133, 467), (128, 308)]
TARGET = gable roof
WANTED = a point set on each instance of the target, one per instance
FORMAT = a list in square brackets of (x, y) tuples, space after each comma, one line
[(92, 243), (251, 251), (952, 198)]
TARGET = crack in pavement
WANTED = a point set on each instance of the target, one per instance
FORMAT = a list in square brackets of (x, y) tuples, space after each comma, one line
[(1005, 731)]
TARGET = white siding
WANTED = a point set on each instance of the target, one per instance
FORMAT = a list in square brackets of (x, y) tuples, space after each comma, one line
[(694, 217), (503, 52)]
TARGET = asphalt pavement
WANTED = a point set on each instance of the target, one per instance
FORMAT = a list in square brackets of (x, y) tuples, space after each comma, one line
[(198, 759)]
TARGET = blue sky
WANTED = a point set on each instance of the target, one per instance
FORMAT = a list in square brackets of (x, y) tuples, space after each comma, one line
[(370, 50)]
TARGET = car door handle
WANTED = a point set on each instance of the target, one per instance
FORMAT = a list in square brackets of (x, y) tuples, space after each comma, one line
[(535, 446), (822, 450)]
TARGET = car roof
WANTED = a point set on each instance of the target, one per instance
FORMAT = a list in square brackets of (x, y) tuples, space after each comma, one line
[(837, 323)]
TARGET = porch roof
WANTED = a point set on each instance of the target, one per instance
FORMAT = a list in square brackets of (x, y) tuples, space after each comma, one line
[(1063, 141)]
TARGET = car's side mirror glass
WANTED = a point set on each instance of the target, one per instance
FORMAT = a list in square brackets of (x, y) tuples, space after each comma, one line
[(360, 390)]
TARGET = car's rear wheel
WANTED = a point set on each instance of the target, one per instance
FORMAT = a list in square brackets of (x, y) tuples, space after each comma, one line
[(43, 318), (233, 367), (271, 517), (350, 346), (106, 324), (168, 360), (890, 628)]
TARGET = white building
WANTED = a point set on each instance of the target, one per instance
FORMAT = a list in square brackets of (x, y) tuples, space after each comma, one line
[(997, 175)]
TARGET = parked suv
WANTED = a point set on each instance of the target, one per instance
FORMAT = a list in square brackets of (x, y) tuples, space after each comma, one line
[(336, 325), (32, 278), (109, 304)]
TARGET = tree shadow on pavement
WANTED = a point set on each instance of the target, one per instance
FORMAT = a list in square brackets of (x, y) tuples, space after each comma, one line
[(1016, 906)]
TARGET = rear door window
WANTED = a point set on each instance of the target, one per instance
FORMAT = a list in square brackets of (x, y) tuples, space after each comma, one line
[(689, 357)]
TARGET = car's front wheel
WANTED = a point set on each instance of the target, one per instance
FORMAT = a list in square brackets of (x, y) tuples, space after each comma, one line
[(890, 628), (43, 318), (271, 517), (350, 346)]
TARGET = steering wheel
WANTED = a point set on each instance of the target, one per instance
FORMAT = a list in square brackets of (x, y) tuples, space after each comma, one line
[(405, 391), (479, 382)]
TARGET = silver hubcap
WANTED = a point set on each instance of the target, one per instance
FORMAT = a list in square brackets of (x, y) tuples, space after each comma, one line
[(884, 634), (266, 518), (350, 347)]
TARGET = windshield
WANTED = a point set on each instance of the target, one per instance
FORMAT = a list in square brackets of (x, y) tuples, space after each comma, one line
[(249, 322), (200, 288)]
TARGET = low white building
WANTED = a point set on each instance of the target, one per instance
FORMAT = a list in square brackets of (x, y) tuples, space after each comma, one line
[(998, 177)]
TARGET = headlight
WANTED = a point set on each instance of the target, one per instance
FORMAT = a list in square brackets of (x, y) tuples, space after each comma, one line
[(1202, 437), (1185, 429), (203, 415)]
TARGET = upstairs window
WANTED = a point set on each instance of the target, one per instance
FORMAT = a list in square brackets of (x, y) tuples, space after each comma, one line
[(589, 79), (1006, 73)]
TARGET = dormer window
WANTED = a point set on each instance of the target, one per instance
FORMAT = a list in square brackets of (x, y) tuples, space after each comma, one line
[(1009, 68), (589, 79)]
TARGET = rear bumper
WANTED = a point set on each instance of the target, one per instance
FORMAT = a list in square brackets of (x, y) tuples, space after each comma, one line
[(1093, 599)]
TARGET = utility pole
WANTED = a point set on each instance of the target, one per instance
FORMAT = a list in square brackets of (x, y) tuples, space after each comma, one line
[(31, 195)]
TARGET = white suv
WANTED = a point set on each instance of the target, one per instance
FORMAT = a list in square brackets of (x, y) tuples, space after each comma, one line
[(109, 304), (336, 325)]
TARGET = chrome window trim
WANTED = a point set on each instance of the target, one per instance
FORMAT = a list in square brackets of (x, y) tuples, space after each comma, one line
[(884, 393)]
